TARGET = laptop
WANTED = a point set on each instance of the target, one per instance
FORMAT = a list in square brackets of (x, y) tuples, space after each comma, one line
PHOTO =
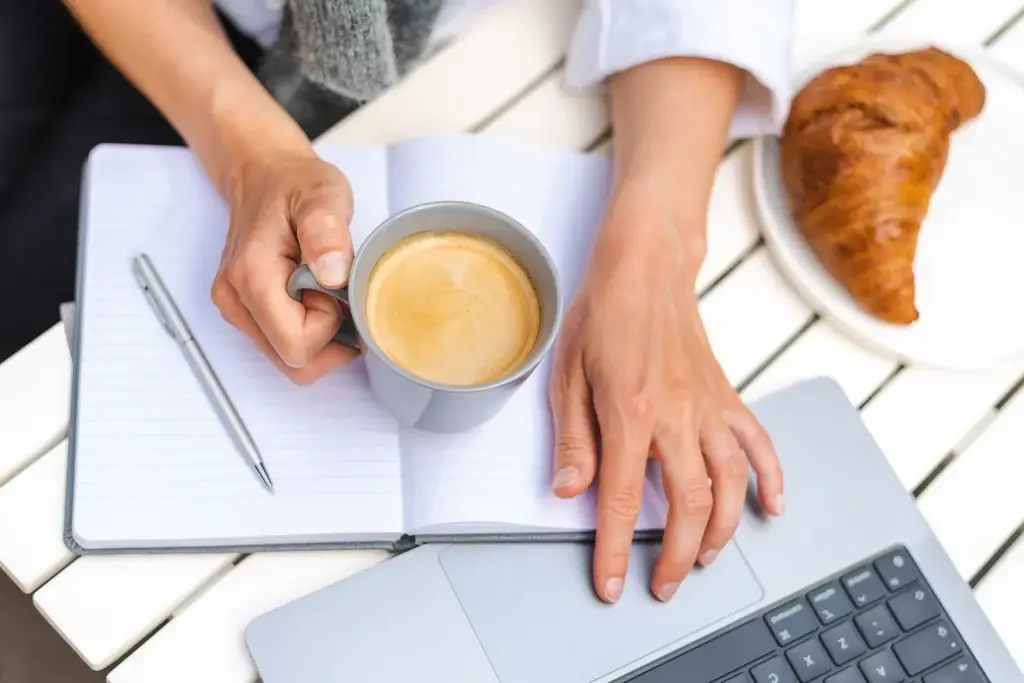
[(849, 586)]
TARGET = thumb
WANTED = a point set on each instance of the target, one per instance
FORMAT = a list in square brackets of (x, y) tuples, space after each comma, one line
[(575, 431), (321, 226)]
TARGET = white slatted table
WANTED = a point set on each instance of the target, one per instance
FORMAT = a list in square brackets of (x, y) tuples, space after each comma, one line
[(954, 439)]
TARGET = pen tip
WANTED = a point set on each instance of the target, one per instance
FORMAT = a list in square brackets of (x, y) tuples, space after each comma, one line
[(261, 470)]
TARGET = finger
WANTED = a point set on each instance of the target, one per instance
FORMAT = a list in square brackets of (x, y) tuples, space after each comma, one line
[(625, 445), (757, 444), (574, 422), (321, 226), (330, 358), (728, 470), (685, 481), (296, 332)]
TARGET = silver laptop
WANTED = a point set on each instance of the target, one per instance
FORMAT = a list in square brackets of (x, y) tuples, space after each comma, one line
[(849, 586)]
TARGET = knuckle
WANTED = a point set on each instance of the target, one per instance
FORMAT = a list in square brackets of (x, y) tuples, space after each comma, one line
[(624, 504), (293, 352), (242, 271), (695, 498), (221, 293), (640, 407), (612, 555), (321, 219), (721, 529), (571, 446), (734, 466), (759, 438)]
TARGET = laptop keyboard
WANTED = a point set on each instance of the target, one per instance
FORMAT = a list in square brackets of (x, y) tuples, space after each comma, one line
[(878, 622)]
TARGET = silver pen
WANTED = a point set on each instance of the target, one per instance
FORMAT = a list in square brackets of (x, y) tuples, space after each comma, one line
[(170, 317)]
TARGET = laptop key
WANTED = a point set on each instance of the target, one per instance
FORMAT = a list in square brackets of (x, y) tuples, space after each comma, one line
[(959, 671), (876, 626), (927, 647), (851, 675), (896, 569), (882, 667), (913, 607), (809, 660), (863, 586), (830, 603), (775, 670), (843, 643), (791, 622)]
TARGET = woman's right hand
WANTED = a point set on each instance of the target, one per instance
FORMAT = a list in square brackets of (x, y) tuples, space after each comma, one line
[(287, 208)]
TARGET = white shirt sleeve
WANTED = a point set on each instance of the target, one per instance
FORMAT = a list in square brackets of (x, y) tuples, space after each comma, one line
[(614, 35)]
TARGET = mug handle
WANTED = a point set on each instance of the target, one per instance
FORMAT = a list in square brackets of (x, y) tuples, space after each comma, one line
[(302, 279)]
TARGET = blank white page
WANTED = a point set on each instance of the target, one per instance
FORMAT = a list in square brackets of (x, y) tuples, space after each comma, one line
[(500, 473), (153, 465)]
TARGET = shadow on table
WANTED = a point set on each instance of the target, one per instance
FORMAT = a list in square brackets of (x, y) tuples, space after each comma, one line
[(30, 650)]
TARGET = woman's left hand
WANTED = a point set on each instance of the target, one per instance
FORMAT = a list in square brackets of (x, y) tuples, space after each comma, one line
[(634, 369)]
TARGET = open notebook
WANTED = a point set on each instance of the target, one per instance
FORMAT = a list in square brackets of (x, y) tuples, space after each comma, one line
[(150, 466)]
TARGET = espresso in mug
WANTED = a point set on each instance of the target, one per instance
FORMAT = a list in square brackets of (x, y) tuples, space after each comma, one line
[(452, 308)]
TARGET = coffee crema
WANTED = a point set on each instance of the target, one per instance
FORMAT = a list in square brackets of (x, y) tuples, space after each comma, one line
[(452, 308)]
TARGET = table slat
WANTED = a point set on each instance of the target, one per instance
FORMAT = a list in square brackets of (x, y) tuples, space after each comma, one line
[(751, 314), (36, 386), (953, 20), (923, 414), (975, 504), (204, 643), (732, 230), (1001, 594), (147, 588), (554, 116), (1010, 45), (34, 500), (516, 44), (820, 26), (823, 350)]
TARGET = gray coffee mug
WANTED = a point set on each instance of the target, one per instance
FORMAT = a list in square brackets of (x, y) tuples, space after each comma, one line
[(414, 401)]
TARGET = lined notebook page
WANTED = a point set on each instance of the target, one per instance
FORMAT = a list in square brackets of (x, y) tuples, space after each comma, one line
[(154, 466), (500, 473)]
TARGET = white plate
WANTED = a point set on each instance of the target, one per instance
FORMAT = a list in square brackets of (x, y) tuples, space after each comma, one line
[(968, 267)]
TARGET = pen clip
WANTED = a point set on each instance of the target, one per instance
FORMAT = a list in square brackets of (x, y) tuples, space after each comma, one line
[(156, 311), (143, 283)]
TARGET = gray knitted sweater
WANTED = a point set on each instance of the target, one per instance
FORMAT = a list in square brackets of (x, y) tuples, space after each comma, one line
[(331, 56)]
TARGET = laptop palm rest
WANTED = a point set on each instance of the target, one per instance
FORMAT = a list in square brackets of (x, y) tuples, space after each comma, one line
[(532, 604)]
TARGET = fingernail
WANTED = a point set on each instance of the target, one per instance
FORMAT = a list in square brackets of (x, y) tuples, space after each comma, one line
[(331, 269), (779, 505), (613, 590), (708, 557), (564, 477), (667, 591)]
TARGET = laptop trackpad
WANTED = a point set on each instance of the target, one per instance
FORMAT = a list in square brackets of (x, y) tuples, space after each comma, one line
[(536, 615)]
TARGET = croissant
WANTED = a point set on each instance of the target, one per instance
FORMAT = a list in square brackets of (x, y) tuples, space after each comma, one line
[(862, 153)]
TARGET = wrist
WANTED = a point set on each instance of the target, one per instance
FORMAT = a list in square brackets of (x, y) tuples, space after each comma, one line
[(645, 214), (251, 130)]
